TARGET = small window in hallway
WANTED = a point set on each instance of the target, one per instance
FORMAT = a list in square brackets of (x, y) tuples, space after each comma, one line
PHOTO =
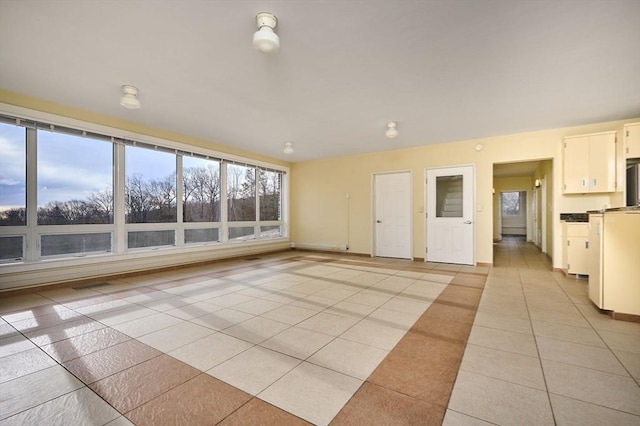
[(511, 203)]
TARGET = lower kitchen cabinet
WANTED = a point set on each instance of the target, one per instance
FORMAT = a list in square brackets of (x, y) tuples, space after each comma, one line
[(576, 243), (614, 261), (595, 259)]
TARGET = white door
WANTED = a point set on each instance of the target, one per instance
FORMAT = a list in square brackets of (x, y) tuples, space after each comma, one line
[(392, 215), (450, 227)]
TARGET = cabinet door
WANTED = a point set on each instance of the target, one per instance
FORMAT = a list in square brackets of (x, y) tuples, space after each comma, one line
[(576, 165), (632, 140), (602, 163), (577, 260), (595, 260)]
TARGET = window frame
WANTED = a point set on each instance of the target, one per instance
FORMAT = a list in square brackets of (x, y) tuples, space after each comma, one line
[(32, 232)]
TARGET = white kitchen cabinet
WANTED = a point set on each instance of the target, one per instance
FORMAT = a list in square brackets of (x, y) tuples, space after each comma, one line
[(576, 237), (589, 163), (631, 136), (595, 259)]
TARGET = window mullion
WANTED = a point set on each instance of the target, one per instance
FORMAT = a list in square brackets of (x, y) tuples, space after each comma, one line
[(224, 236), (120, 233), (179, 203), (256, 229), (32, 239)]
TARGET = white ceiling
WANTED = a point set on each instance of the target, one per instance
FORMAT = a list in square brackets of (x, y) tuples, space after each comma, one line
[(445, 70)]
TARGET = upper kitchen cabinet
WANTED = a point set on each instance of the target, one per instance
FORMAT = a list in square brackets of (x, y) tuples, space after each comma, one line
[(589, 163), (631, 138)]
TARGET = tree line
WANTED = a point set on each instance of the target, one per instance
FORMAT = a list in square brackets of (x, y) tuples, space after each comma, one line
[(154, 200)]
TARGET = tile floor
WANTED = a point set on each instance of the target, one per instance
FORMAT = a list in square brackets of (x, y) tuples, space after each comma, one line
[(296, 338)]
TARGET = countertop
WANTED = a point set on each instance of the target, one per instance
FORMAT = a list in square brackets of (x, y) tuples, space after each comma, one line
[(629, 209)]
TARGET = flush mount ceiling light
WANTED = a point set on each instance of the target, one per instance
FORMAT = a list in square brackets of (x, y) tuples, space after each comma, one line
[(130, 98), (288, 148), (392, 130), (265, 39)]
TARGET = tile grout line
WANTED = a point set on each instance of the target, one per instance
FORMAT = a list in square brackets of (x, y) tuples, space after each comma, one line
[(450, 390), (535, 339), (601, 338)]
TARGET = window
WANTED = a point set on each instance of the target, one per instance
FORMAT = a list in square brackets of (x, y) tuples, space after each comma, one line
[(449, 201), (241, 193), (270, 194), (77, 244), (150, 187), (75, 179), (511, 203), (13, 176), (201, 199), (11, 248), (60, 195)]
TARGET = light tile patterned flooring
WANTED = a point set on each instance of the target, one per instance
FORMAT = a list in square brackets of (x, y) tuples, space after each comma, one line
[(293, 338), (540, 353)]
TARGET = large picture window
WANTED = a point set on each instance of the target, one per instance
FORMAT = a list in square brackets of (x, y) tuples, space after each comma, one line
[(150, 186), (75, 179), (66, 192), (241, 193), (201, 198)]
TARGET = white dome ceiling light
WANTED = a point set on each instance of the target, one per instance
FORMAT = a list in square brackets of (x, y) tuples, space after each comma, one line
[(130, 98), (288, 148), (265, 39), (392, 130)]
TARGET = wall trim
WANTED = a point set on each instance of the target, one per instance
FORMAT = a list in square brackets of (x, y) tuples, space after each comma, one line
[(326, 247), (45, 275)]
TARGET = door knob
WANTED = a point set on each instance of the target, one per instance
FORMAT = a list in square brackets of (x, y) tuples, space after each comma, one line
[(378, 221), (467, 222)]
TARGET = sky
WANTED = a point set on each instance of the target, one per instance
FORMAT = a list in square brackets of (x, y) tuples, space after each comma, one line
[(69, 167), (74, 167)]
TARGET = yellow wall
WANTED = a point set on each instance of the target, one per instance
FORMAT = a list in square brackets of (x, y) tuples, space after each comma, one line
[(321, 213), (318, 188)]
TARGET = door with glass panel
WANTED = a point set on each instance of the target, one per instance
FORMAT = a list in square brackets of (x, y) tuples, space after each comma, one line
[(450, 226)]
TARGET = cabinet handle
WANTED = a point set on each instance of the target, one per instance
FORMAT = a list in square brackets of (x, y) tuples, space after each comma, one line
[(586, 244), (584, 183), (595, 183)]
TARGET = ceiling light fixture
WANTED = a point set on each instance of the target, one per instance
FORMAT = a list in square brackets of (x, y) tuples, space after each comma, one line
[(130, 98), (288, 148), (392, 130), (265, 39)]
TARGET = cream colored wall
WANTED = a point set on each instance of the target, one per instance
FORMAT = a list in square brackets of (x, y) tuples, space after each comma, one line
[(318, 188), (545, 172), (319, 208), (510, 184)]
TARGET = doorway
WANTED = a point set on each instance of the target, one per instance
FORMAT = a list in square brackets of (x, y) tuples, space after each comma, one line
[(450, 225), (392, 215), (513, 209)]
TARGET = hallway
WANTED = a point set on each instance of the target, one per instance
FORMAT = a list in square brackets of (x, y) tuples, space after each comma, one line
[(540, 353)]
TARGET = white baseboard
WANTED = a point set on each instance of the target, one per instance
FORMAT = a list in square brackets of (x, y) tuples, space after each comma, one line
[(319, 246), (47, 273)]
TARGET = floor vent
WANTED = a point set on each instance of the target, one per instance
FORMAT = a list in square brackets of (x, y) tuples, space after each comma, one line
[(253, 258), (84, 287)]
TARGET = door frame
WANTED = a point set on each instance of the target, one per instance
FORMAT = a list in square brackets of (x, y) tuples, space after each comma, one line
[(373, 208), (543, 214), (473, 206)]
